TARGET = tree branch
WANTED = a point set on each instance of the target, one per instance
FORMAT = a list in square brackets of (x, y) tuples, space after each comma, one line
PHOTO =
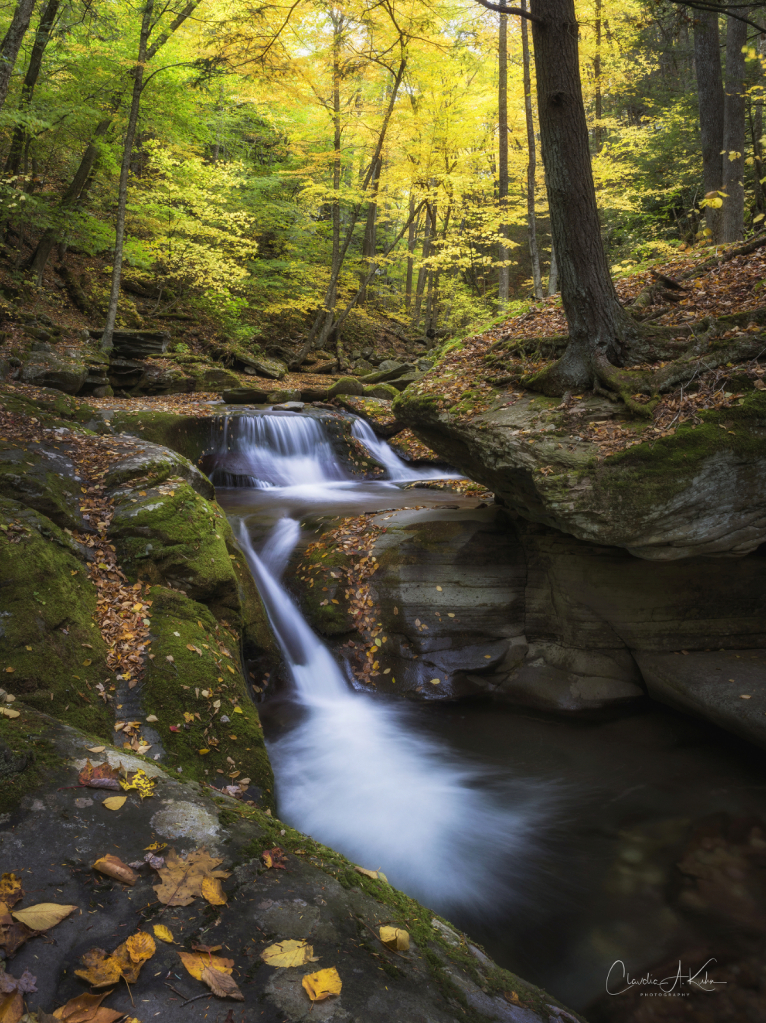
[(502, 9)]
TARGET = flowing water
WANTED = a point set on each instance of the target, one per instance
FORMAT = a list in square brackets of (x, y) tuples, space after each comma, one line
[(552, 841)]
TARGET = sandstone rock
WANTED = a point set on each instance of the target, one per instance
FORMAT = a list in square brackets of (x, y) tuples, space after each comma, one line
[(212, 378), (245, 396), (277, 397), (384, 391), (159, 378), (136, 344), (699, 491), (389, 369), (42, 478), (264, 366), (408, 447), (155, 463)]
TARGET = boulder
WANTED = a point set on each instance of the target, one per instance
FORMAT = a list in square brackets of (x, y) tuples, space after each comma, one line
[(263, 366), (692, 490), (245, 396), (375, 411), (385, 391), (212, 378), (408, 447), (153, 463), (346, 385), (277, 397), (43, 478), (136, 344), (161, 378), (45, 367), (389, 369)]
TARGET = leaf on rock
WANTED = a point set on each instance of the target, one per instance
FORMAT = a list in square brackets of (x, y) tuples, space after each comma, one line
[(164, 933), (114, 802), (13, 934), (87, 1008), (182, 879), (376, 875), (289, 953), (12, 1008), (221, 984), (96, 749), (275, 858), (322, 984), (10, 889), (196, 963), (213, 892), (43, 916), (100, 968), (100, 776), (140, 947), (140, 781), (113, 867), (395, 937), (26, 983)]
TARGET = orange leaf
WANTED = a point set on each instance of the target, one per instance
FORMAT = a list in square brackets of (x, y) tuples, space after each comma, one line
[(100, 776), (213, 892), (12, 1008), (113, 867), (196, 963), (10, 889)]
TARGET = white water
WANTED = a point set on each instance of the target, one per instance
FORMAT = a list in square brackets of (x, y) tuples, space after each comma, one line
[(354, 774)]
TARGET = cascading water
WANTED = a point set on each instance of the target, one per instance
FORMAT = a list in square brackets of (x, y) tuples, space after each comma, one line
[(353, 773)]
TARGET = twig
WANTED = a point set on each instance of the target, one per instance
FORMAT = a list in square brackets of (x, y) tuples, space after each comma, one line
[(205, 994), (129, 991), (175, 989)]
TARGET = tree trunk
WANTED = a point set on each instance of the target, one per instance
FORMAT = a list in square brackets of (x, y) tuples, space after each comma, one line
[(537, 281), (332, 292), (42, 37), (758, 135), (599, 328), (597, 132), (122, 198), (10, 46), (370, 240), (412, 235), (733, 209), (423, 271), (707, 62), (553, 273), (502, 162)]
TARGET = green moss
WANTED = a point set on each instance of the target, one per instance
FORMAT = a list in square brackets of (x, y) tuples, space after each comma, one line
[(51, 408), (27, 759), (47, 632), (385, 391), (185, 434), (173, 685), (330, 619), (175, 536)]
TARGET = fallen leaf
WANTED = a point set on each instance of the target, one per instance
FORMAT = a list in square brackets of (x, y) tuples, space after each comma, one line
[(140, 781), (10, 889), (140, 947), (26, 983), (85, 1008), (12, 1008), (289, 953), (221, 984), (182, 879), (196, 963), (96, 749), (113, 866), (8, 713), (322, 984), (43, 916), (274, 858), (164, 933), (376, 875), (100, 776), (13, 933), (100, 969), (213, 892), (114, 802), (395, 937)]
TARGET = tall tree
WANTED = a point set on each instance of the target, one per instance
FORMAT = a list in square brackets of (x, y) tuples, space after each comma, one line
[(127, 152), (733, 209), (502, 163), (534, 252), (707, 62), (10, 46)]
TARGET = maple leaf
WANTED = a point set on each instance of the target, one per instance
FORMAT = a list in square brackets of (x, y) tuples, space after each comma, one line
[(10, 890), (182, 879), (100, 776)]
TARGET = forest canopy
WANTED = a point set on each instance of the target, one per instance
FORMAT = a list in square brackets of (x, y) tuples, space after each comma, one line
[(289, 163)]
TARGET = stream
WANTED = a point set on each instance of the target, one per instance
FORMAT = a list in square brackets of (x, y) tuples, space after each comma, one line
[(552, 841)]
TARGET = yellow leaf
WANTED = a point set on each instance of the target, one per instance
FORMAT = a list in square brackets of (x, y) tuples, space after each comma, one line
[(202, 752), (10, 889), (7, 712), (288, 953), (140, 947), (182, 879), (238, 710), (376, 875), (96, 749), (197, 962), (395, 938), (164, 933), (141, 782), (435, 681), (322, 984), (85, 664), (213, 892), (114, 802), (11, 1007), (85, 1008), (43, 916)]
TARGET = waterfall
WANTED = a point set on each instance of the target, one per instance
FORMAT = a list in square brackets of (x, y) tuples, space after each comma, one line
[(354, 773)]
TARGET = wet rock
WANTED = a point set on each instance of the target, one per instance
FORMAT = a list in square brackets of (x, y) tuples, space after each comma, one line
[(289, 406), (279, 397), (246, 396), (263, 366), (161, 378), (408, 447), (385, 391), (153, 463), (389, 369), (42, 478), (318, 896), (375, 411)]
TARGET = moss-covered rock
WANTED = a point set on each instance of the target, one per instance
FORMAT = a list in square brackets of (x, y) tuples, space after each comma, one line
[(42, 478), (346, 385), (195, 653), (212, 378), (51, 652), (187, 435), (375, 410), (408, 447), (692, 490), (46, 367), (153, 464), (384, 391)]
